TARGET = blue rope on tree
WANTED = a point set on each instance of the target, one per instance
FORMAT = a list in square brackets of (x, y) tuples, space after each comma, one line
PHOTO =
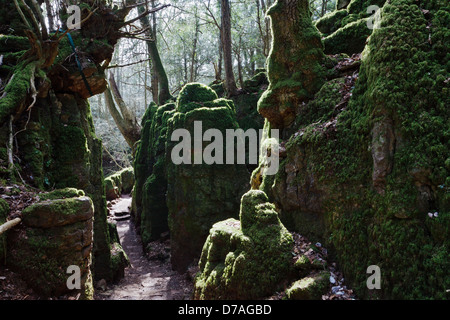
[(72, 44)]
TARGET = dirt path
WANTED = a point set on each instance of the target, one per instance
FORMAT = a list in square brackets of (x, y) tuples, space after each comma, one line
[(145, 279)]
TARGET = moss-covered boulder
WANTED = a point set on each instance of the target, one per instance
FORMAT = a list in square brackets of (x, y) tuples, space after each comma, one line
[(59, 212), (201, 194), (246, 259), (365, 178), (149, 196), (331, 22), (61, 194), (55, 235), (294, 64), (349, 39), (246, 100), (185, 198), (309, 288), (118, 183), (346, 29)]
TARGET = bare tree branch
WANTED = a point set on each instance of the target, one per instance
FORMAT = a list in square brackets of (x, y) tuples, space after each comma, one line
[(147, 12)]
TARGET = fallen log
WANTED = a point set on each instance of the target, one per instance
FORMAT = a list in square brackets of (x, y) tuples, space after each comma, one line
[(10, 224)]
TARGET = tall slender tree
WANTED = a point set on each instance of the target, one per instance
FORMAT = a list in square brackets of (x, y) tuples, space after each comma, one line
[(230, 82), (156, 63)]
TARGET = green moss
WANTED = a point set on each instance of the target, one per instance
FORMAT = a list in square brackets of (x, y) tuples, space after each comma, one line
[(360, 6), (16, 90), (349, 39), (119, 261), (12, 43), (154, 218), (323, 107), (245, 259), (330, 22), (219, 88), (150, 151), (309, 288), (401, 80), (199, 195), (294, 64), (61, 194), (194, 94), (118, 183)]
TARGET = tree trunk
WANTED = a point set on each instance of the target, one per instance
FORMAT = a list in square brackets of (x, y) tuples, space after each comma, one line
[(324, 8), (125, 119), (194, 50), (239, 60), (158, 72), (230, 82), (49, 15)]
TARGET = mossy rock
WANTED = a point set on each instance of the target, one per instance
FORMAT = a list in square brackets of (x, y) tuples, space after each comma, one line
[(127, 177), (350, 39), (61, 194), (245, 259), (119, 261), (150, 209), (60, 150), (331, 22), (199, 195), (328, 186), (309, 288), (55, 234), (56, 213), (194, 94), (118, 183), (219, 88)]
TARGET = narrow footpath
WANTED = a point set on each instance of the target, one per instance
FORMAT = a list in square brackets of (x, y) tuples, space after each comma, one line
[(148, 277)]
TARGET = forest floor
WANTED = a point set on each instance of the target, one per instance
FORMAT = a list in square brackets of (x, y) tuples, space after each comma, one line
[(149, 277)]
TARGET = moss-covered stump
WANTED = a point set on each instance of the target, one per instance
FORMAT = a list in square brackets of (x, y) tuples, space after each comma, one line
[(199, 195), (55, 234), (294, 64), (118, 183), (4, 211), (246, 259), (309, 288), (366, 178)]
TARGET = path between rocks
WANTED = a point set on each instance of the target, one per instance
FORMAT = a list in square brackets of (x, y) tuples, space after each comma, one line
[(145, 279)]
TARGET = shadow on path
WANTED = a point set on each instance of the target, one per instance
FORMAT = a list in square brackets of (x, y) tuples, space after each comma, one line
[(145, 279)]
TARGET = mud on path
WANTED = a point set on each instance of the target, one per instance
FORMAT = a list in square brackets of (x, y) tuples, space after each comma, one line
[(149, 277)]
